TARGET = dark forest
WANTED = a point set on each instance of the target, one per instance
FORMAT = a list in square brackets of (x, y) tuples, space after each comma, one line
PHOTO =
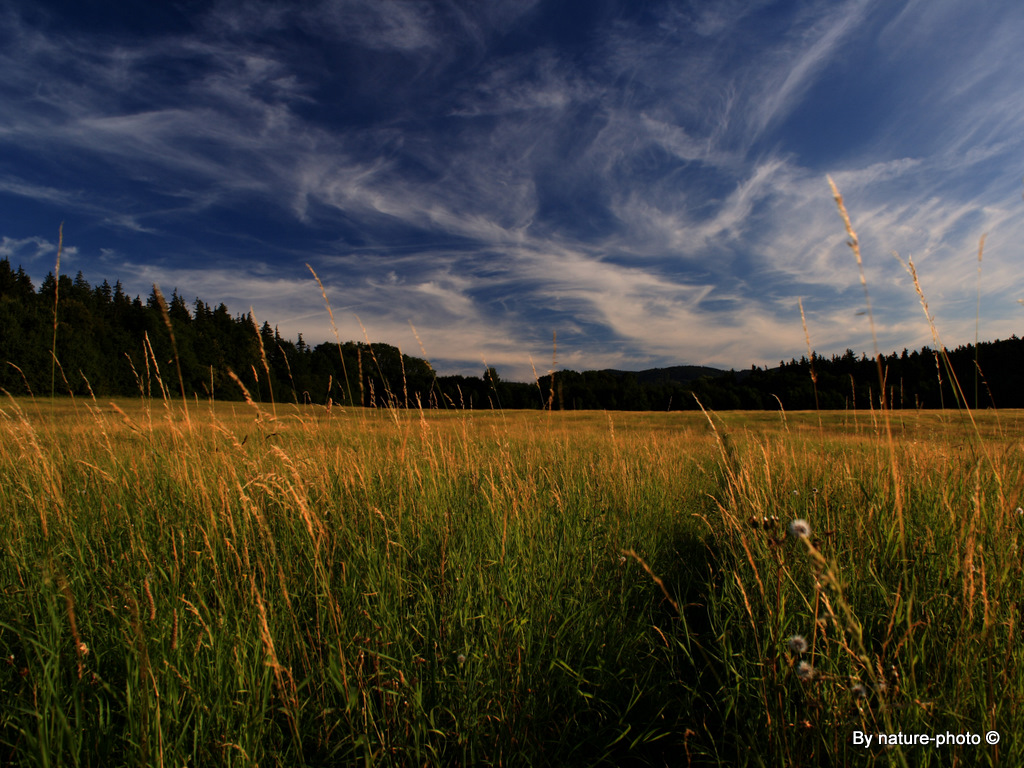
[(110, 344)]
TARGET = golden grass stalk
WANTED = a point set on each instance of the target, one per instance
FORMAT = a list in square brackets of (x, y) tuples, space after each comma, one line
[(958, 391), (373, 356), (854, 243), (245, 392), (288, 367), (52, 478), (810, 358), (64, 378), (334, 329), (727, 463), (174, 345), (537, 379), (149, 599), (80, 648), (174, 630), (655, 578), (433, 383), (263, 359), (56, 293), (554, 365), (827, 574), (977, 319)]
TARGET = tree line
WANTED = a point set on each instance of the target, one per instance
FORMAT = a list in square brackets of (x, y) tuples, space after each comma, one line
[(110, 344)]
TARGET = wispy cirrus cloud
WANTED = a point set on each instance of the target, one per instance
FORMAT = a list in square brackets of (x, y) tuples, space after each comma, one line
[(31, 249), (648, 183)]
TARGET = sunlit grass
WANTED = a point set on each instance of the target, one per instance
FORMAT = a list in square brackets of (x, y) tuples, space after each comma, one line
[(406, 587)]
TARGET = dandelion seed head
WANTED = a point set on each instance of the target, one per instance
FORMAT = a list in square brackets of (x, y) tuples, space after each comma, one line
[(799, 528), (859, 691), (461, 659), (804, 670), (797, 644)]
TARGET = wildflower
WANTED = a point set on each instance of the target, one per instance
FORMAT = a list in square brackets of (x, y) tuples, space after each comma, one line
[(804, 670), (797, 644), (799, 528)]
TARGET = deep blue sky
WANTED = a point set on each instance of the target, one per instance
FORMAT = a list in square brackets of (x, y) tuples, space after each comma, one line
[(646, 179)]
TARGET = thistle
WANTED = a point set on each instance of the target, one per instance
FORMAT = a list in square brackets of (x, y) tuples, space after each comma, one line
[(799, 528), (804, 670), (797, 644)]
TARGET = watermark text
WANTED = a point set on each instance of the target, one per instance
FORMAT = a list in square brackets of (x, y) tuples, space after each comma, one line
[(947, 739)]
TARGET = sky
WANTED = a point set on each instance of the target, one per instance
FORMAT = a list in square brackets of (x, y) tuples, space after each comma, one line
[(646, 182)]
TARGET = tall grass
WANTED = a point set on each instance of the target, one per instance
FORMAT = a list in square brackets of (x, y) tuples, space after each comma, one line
[(457, 588)]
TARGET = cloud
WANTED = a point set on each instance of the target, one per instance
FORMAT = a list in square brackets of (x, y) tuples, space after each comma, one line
[(38, 256), (638, 191), (715, 18), (27, 249), (801, 60)]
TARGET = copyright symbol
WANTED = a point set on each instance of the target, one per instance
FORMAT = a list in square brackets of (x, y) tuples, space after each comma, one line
[(992, 737)]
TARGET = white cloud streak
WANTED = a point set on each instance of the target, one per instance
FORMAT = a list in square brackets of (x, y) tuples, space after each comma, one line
[(783, 85), (619, 201)]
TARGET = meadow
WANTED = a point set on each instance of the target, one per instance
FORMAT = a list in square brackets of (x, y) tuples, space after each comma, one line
[(232, 584)]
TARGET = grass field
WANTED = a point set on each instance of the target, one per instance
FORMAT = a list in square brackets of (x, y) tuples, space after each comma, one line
[(227, 587)]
